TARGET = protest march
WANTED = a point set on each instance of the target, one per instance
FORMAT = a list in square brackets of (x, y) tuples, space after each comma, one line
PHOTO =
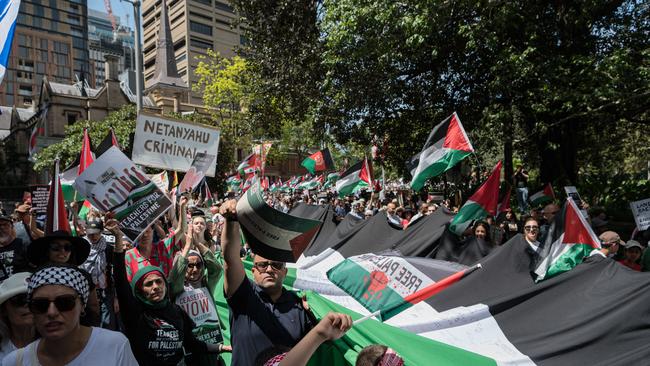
[(333, 267), (324, 183)]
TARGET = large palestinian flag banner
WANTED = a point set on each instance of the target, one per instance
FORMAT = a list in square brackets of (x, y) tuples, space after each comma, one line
[(446, 145)]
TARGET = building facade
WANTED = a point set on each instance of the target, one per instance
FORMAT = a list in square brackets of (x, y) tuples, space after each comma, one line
[(50, 40), (195, 26), (104, 38)]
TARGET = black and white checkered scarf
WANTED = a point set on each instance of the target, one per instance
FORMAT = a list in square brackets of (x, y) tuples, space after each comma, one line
[(60, 275)]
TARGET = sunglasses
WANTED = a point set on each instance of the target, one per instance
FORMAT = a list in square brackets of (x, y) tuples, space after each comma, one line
[(59, 247), (194, 265), (262, 266), (18, 300), (62, 303), (531, 228)]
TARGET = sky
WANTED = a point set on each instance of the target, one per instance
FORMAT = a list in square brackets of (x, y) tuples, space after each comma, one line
[(120, 9)]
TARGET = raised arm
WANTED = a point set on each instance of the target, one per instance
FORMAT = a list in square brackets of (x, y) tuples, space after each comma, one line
[(176, 277), (125, 297), (213, 267), (230, 246), (181, 228)]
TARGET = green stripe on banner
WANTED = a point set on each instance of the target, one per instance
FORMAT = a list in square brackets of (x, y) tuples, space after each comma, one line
[(414, 349), (569, 259), (369, 289)]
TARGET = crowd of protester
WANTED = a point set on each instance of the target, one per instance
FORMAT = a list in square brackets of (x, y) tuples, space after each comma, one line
[(66, 298)]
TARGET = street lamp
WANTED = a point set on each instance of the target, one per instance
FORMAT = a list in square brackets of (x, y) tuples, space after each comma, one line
[(138, 53)]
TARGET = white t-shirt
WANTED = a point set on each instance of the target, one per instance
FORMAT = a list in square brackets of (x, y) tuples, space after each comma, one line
[(104, 348), (6, 347)]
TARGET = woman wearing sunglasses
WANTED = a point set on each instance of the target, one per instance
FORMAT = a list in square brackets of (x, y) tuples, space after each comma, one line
[(62, 248), (56, 296), (193, 281), (159, 331), (16, 321)]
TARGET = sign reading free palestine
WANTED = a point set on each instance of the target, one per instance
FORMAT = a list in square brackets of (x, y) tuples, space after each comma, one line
[(172, 144)]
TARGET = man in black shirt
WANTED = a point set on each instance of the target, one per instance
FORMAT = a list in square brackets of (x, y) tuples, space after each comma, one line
[(262, 313), (12, 256)]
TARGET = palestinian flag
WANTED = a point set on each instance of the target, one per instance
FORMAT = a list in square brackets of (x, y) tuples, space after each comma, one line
[(313, 183), (446, 145), (84, 210), (331, 180), (251, 164), (109, 141), (504, 205), (81, 162), (543, 197), (57, 217), (319, 161), (265, 183), (357, 176), (271, 233), (596, 313), (481, 204), (390, 284), (571, 247)]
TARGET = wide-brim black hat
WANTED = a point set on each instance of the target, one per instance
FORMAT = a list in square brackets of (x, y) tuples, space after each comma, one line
[(37, 249)]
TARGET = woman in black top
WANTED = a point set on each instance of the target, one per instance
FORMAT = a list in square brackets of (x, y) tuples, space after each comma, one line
[(157, 329)]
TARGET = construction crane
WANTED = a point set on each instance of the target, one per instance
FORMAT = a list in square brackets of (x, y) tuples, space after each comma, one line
[(109, 10)]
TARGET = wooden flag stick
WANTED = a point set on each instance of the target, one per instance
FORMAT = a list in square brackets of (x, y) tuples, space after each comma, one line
[(371, 315)]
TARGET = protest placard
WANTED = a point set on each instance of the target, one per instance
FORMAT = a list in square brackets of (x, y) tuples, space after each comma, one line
[(161, 180), (271, 233), (40, 194), (172, 144), (641, 211), (202, 162), (114, 183)]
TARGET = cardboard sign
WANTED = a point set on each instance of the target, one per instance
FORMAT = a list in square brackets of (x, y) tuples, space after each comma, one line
[(172, 144), (114, 183), (201, 164), (40, 194), (572, 191), (271, 233), (641, 212)]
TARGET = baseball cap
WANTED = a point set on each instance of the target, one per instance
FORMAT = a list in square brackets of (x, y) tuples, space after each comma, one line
[(610, 237), (632, 244), (94, 227), (14, 285)]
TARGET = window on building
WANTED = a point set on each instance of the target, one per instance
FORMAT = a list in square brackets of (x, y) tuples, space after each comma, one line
[(206, 2), (24, 52), (224, 22), (72, 118), (201, 28), (40, 68), (181, 57), (73, 19), (78, 42), (61, 47), (224, 7), (38, 22), (44, 44), (25, 90), (200, 43), (177, 18), (76, 32), (194, 14), (179, 44)]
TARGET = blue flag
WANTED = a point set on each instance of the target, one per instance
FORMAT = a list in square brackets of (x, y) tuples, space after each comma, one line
[(8, 14)]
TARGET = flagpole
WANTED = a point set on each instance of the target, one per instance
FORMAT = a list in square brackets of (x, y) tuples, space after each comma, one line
[(369, 316)]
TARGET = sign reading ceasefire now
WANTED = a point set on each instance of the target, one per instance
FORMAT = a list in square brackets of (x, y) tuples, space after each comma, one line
[(172, 144)]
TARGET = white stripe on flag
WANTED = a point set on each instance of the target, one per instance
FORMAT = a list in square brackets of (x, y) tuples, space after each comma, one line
[(471, 328), (429, 156)]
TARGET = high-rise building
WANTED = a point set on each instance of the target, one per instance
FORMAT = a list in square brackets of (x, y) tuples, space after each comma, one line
[(108, 38), (195, 26), (51, 39)]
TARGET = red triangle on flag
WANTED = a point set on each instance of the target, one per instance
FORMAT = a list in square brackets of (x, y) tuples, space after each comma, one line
[(456, 137), (366, 172), (86, 157), (488, 193), (548, 191), (57, 218), (576, 229)]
